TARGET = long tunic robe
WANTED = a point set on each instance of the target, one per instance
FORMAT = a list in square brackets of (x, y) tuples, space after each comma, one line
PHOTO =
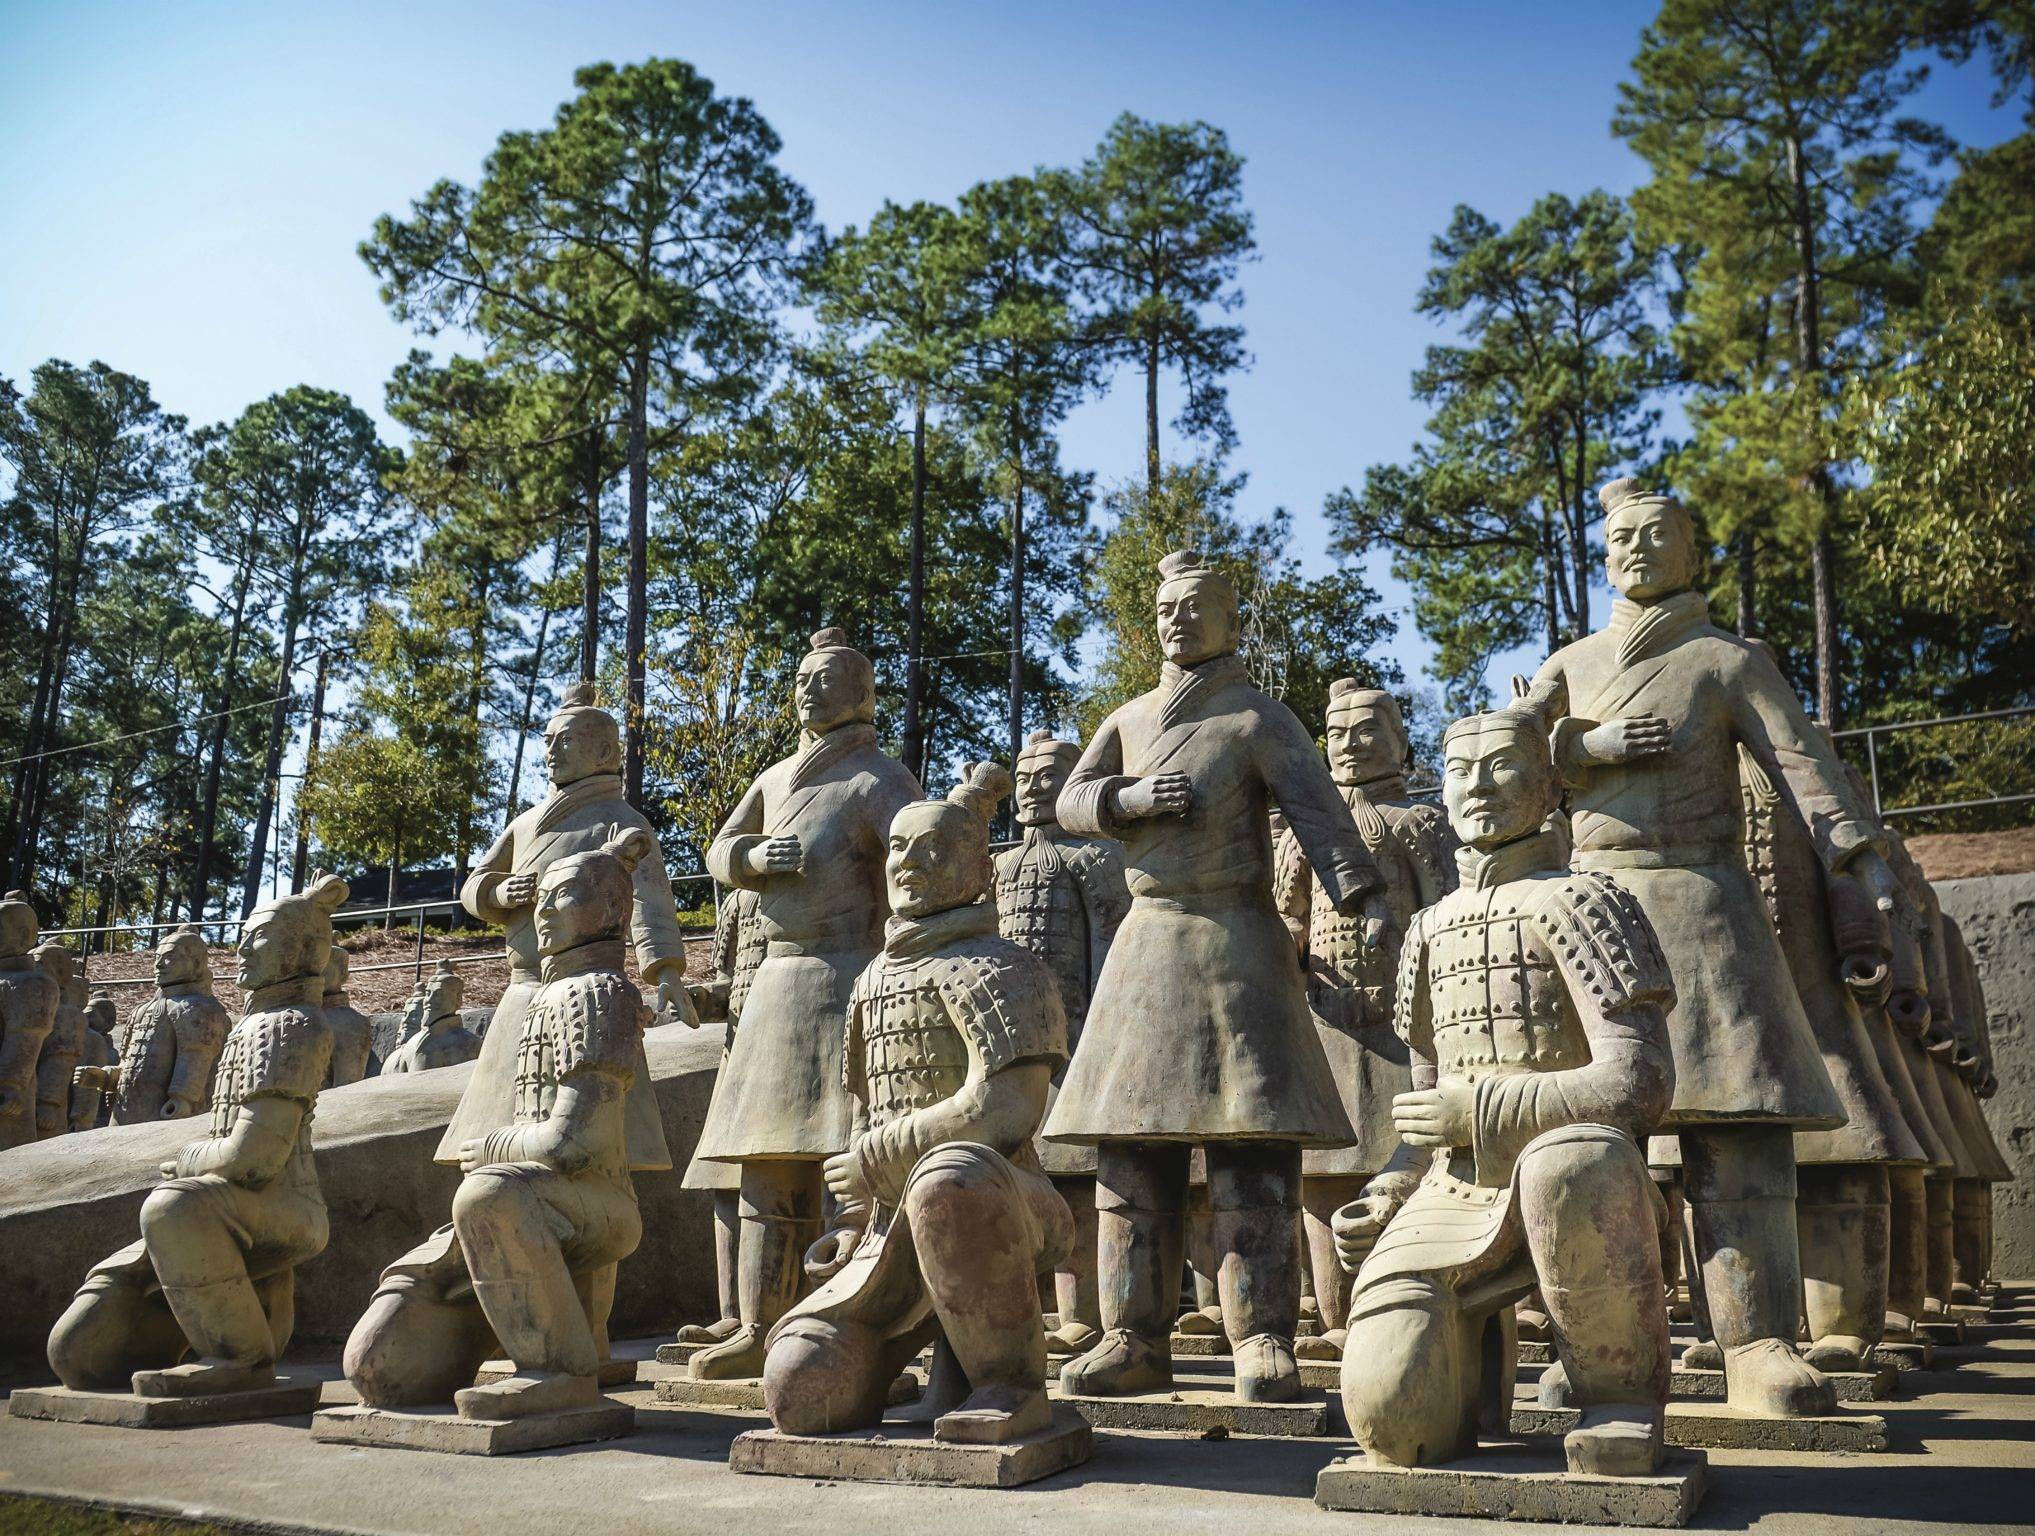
[(1199, 1028), (781, 1093), (1667, 828), (578, 818)]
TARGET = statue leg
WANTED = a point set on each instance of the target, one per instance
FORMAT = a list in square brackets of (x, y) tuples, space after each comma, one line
[(1740, 1185), (826, 1375), (1842, 1217), (727, 1255), (1411, 1371), (1907, 1250), (1593, 1230), (1321, 1196), (195, 1230), (117, 1324), (1140, 1190), (1074, 1292), (423, 1334), (978, 1250), (1254, 1198), (1941, 1195), (532, 1298), (1971, 1204), (780, 1219), (1204, 1316)]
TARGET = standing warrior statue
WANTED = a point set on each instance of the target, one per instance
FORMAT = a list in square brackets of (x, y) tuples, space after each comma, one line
[(213, 1274), (28, 1012), (63, 1045), (1199, 1030), (1349, 985), (173, 1039), (352, 1030), (1660, 702), (1061, 897), (808, 837), (444, 1041), (88, 1092), (546, 1206), (944, 1217), (1532, 1001)]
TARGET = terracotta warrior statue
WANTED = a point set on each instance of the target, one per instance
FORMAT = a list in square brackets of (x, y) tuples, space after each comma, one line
[(444, 1041), (63, 1046), (1199, 1032), (173, 1039), (1062, 897), (352, 1030), (28, 1014), (738, 951), (546, 1206), (213, 1275), (1660, 702), (943, 1217), (1532, 1001), (1349, 986), (808, 837), (88, 1096), (1970, 1080)]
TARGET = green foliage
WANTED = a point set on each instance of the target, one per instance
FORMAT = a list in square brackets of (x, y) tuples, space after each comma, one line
[(383, 800)]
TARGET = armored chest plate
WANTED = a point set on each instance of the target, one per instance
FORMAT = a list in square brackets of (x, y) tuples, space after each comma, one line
[(912, 1056), (1038, 907), (235, 1076), (1498, 1003)]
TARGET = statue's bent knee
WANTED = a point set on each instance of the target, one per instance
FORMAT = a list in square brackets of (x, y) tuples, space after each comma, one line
[(822, 1376), (1403, 1377)]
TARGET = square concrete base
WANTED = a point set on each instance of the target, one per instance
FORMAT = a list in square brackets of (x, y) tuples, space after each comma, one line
[(1941, 1330), (1851, 1386), (1536, 1352), (1714, 1427), (745, 1393), (1969, 1314), (678, 1354), (613, 1373), (1194, 1408), (1515, 1482), (909, 1454), (1906, 1355), (1200, 1345), (442, 1429), (1321, 1375), (289, 1398)]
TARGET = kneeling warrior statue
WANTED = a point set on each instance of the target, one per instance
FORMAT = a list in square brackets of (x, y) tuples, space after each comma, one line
[(546, 1206), (213, 1274), (945, 1220), (1533, 1003)]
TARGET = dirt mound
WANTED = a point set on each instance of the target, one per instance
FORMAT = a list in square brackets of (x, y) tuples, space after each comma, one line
[(1964, 855)]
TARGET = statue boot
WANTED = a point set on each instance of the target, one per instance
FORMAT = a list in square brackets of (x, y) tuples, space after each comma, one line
[(780, 1219), (727, 1259), (231, 1335), (1320, 1198), (1254, 1208), (1907, 1252), (1139, 1192), (1074, 1286), (117, 1324), (1204, 1318), (1530, 1317), (542, 1325), (1842, 1218)]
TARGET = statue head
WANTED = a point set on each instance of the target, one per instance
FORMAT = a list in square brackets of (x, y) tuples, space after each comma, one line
[(588, 896), (443, 992), (835, 685), (18, 925), (581, 739), (101, 1013), (1042, 769), (939, 849), (181, 956), (1197, 609), (1498, 775), (290, 937), (1366, 735), (1649, 542), (58, 963)]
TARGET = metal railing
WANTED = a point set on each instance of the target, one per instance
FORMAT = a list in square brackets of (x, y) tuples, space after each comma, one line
[(1872, 733)]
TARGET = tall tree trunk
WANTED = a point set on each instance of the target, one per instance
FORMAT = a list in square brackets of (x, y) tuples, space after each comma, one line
[(208, 810), (300, 866), (476, 695), (1579, 547), (272, 760), (639, 573), (20, 851), (1017, 589), (1809, 370), (590, 581), (1550, 581), (39, 767), (1152, 414), (530, 690), (915, 601), (1748, 605)]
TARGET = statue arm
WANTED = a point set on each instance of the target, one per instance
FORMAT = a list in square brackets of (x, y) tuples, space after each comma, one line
[(1307, 797), (1770, 721), (489, 871), (585, 1122), (1000, 1110), (200, 1035), (1087, 803), (728, 853), (1292, 886), (258, 1147), (653, 925)]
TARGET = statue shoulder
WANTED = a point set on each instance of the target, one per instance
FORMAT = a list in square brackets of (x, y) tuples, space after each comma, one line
[(600, 1018), (1004, 998), (1602, 939), (290, 1048)]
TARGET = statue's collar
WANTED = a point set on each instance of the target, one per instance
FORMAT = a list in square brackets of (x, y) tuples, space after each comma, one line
[(904, 937), (1391, 787), (1523, 856), (1215, 670), (277, 994), (597, 955)]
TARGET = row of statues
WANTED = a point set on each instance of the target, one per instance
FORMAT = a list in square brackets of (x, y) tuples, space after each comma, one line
[(1652, 981)]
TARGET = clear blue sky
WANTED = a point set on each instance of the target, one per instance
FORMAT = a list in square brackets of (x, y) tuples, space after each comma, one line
[(185, 184)]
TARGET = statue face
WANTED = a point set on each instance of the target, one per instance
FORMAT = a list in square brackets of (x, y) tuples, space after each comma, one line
[(578, 744), (1648, 551), (444, 996), (1196, 622), (176, 960), (828, 691), (101, 1014), (1495, 785), (1364, 744), (570, 911), (931, 865), (267, 952), (1038, 790)]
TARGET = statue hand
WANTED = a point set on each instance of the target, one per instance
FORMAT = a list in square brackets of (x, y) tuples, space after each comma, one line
[(473, 1154), (1378, 920), (89, 1077), (826, 1257), (845, 1180), (674, 1002), (1165, 794), (1357, 1225), (177, 1109), (1872, 872), (169, 1169), (1622, 741), (777, 856), (517, 891), (1435, 1117)]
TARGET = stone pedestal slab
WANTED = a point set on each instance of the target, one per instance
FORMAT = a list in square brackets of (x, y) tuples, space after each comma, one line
[(288, 1398), (441, 1428), (909, 1454), (613, 1373), (679, 1354), (1908, 1355), (1515, 1482), (1713, 1426), (745, 1393), (1851, 1386), (1200, 1345), (1193, 1408)]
